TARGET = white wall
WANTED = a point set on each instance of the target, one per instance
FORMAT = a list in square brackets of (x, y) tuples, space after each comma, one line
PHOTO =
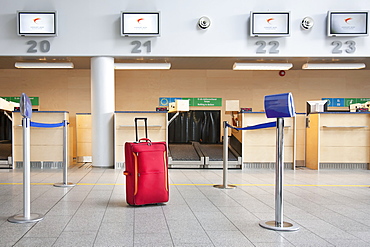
[(91, 28)]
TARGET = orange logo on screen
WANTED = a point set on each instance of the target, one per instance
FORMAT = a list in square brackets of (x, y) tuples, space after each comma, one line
[(269, 20), (36, 20), (347, 20), (139, 20)]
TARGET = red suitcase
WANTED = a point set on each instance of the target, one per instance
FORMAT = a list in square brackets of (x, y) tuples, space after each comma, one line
[(146, 170)]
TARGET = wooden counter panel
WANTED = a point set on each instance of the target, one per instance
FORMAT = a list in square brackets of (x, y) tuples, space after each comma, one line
[(312, 142), (41, 136), (84, 149), (40, 153), (344, 137), (338, 138), (345, 119), (46, 144), (259, 146), (125, 130), (344, 155), (84, 135), (266, 154)]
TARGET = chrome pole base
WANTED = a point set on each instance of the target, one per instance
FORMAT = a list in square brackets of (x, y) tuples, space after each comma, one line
[(271, 225), (21, 219), (221, 186), (64, 184)]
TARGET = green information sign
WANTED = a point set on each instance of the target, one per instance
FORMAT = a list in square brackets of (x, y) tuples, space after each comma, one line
[(350, 101), (34, 100), (207, 102), (164, 101)]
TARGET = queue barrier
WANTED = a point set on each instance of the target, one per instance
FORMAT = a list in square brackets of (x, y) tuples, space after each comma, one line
[(226, 125), (279, 106), (26, 112), (27, 216), (63, 124)]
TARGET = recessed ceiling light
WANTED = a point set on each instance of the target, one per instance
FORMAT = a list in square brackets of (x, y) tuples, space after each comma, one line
[(135, 66), (262, 66), (333, 66), (42, 65)]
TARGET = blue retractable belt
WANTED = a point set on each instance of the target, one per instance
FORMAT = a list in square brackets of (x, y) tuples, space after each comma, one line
[(47, 125), (254, 127)]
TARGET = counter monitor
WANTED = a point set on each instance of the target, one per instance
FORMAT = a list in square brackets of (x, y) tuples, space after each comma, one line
[(140, 24), (348, 23), (37, 23), (269, 24)]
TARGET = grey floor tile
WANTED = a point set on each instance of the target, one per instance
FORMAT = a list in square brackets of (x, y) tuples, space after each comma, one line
[(150, 225), (196, 215), (36, 242), (228, 238), (257, 234), (305, 238), (51, 226), (113, 234), (190, 237), (214, 221), (115, 215), (152, 239), (365, 236), (347, 242), (65, 208), (116, 228), (192, 245), (201, 205), (91, 223), (75, 239), (184, 225), (284, 244), (11, 233)]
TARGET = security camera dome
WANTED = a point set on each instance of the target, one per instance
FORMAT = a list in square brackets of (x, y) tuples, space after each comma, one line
[(307, 23)]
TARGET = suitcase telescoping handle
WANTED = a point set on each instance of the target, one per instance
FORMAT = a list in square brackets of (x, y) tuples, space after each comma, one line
[(146, 128)]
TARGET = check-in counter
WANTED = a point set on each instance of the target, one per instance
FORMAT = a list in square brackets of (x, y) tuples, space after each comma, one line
[(46, 144), (259, 146), (338, 140), (83, 137), (124, 130)]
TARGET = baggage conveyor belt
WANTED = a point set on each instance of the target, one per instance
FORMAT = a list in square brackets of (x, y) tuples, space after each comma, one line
[(196, 155)]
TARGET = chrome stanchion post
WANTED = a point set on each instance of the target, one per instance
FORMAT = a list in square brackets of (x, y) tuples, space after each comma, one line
[(26, 217), (279, 106), (65, 182), (279, 169), (225, 160), (278, 224), (26, 168)]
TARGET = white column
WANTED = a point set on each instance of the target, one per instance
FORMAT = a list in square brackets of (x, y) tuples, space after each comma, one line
[(102, 110)]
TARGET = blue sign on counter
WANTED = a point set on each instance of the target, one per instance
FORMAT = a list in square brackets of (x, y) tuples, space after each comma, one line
[(335, 102), (279, 105)]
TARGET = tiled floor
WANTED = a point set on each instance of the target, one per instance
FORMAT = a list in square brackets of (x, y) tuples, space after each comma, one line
[(331, 207)]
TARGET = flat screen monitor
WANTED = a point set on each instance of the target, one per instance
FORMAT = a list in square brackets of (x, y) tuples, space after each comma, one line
[(269, 24), (317, 106), (347, 23), (37, 23), (140, 24)]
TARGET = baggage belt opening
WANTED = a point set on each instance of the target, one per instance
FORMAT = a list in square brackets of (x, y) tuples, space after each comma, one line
[(194, 141), (196, 155)]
